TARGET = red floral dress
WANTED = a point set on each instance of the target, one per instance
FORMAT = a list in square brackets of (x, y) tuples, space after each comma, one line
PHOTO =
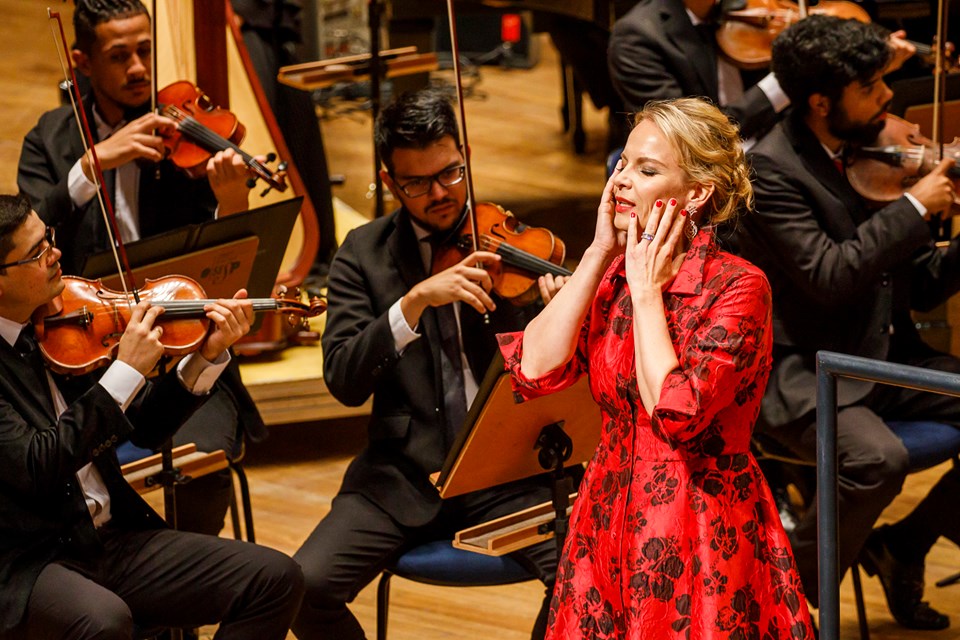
[(675, 533)]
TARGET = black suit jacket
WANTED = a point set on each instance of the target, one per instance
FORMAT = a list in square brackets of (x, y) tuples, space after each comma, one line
[(43, 515), (49, 151), (376, 265), (844, 277), (656, 53)]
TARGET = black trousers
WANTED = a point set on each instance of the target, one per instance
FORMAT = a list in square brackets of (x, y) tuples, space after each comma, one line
[(165, 578), (357, 539), (873, 464)]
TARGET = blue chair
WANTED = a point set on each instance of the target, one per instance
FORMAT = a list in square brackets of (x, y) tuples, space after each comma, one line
[(928, 444), (440, 563)]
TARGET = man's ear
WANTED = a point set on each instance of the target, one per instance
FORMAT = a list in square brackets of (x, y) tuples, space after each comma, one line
[(819, 104), (81, 61), (390, 184)]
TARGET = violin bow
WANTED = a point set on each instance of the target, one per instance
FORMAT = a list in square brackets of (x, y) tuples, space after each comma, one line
[(86, 136), (802, 4), (939, 77), (465, 144)]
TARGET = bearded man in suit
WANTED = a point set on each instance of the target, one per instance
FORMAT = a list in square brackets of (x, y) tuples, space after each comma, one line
[(845, 278), (418, 343)]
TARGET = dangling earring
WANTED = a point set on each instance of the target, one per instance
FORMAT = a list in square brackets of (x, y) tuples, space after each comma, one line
[(692, 227)]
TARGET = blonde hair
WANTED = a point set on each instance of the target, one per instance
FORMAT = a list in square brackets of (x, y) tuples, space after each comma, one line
[(708, 149)]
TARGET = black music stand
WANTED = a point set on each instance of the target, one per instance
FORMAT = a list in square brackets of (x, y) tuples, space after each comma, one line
[(251, 243), (503, 441)]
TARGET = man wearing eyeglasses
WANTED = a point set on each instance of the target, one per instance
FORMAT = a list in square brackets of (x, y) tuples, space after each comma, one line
[(81, 554), (416, 341)]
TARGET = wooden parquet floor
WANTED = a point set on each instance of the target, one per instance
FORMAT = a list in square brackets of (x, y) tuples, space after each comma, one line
[(522, 160)]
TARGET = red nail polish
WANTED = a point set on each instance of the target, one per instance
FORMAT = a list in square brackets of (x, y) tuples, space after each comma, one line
[(633, 214), (683, 212), (658, 203), (673, 202)]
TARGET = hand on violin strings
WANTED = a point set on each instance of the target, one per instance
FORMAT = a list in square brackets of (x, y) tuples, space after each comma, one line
[(231, 320), (467, 281), (607, 237), (549, 284), (902, 50), (140, 139), (935, 191), (227, 173), (651, 260), (140, 345)]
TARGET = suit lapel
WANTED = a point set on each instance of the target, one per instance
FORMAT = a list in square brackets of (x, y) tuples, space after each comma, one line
[(20, 380), (815, 157), (683, 35)]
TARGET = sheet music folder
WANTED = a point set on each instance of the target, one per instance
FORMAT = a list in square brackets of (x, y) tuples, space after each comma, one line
[(498, 441), (216, 254)]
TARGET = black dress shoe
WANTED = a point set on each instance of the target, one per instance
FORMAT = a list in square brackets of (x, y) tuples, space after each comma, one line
[(902, 584)]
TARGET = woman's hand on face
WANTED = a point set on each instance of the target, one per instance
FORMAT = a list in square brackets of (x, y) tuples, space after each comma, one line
[(651, 260), (607, 238)]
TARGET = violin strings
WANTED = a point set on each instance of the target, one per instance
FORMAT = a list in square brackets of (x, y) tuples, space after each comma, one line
[(519, 258), (211, 140)]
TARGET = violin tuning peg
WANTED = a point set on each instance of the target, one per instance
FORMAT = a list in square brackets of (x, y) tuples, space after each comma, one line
[(282, 166), (265, 192), (271, 157), (251, 183)]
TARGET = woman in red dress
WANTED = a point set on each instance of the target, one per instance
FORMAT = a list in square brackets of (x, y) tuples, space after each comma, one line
[(675, 533)]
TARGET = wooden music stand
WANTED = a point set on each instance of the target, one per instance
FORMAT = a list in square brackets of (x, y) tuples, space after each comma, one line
[(503, 441)]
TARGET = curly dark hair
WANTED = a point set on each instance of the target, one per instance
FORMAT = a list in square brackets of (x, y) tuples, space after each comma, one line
[(823, 54), (91, 13), (413, 121), (14, 210)]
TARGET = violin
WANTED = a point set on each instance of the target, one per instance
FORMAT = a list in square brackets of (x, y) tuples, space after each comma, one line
[(204, 129), (746, 36), (526, 252), (899, 157), (81, 330)]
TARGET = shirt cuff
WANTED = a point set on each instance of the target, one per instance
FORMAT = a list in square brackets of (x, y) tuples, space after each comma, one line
[(198, 375), (122, 382), (922, 210), (771, 88), (81, 189), (403, 335)]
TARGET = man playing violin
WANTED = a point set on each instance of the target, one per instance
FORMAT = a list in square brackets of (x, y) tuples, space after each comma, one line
[(418, 343), (81, 554), (150, 196), (668, 49), (845, 278)]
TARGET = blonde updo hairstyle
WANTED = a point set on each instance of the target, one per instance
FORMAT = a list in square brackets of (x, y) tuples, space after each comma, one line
[(708, 150)]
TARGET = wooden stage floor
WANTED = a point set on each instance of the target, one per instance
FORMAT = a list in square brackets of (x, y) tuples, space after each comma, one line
[(522, 160)]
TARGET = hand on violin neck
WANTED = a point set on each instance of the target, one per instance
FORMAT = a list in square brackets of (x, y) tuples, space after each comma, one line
[(936, 191), (228, 176), (467, 281), (231, 320), (902, 50), (136, 140), (140, 345)]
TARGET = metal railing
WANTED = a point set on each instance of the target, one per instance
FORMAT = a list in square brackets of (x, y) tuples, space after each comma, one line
[(830, 367)]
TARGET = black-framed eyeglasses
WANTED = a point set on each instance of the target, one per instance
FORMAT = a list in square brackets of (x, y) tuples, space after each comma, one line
[(417, 187), (50, 236)]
